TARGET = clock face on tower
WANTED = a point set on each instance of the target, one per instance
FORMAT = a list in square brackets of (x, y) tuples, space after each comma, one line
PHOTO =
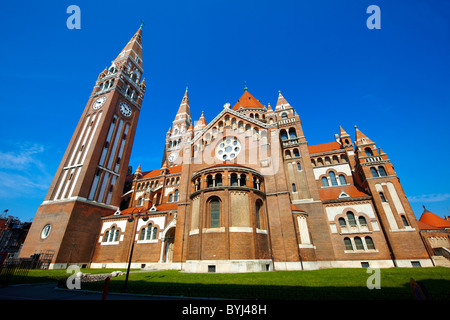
[(125, 109), (98, 103), (172, 157)]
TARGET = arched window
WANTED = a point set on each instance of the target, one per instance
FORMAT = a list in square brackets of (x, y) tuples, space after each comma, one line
[(362, 221), (170, 197), (209, 181), (382, 171), (374, 172), (294, 189), (342, 222), (243, 180), (368, 152), (296, 153), (358, 243), (284, 115), (214, 207), (175, 198), (299, 167), (351, 219), (148, 232), (325, 182), (369, 243), (348, 244), (383, 198), (333, 178), (405, 222), (342, 179), (218, 180), (116, 235), (142, 234), (233, 178), (258, 206), (105, 238), (155, 230), (283, 135), (111, 234), (292, 133)]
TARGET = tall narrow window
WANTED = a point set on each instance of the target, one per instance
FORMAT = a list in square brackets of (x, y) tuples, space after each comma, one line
[(382, 171), (333, 178), (218, 180), (362, 221), (284, 135), (351, 219), (294, 189), (342, 179), (214, 207), (405, 222), (234, 179), (325, 182), (111, 234), (155, 230), (175, 198), (292, 133), (257, 214), (374, 172), (149, 232), (348, 244), (358, 243), (383, 198), (368, 152), (209, 180), (342, 222), (369, 243), (299, 167)]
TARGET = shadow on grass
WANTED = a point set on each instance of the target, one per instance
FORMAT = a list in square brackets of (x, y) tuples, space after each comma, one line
[(438, 290)]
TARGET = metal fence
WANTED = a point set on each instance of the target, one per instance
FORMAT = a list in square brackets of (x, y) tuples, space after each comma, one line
[(19, 267)]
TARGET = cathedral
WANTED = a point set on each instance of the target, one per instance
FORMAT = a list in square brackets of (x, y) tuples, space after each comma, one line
[(242, 193)]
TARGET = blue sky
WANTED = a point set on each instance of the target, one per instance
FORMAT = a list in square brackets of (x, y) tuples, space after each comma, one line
[(393, 83)]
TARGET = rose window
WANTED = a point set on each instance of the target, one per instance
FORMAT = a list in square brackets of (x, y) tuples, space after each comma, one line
[(228, 149)]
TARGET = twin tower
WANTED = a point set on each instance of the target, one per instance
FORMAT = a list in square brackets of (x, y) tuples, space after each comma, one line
[(242, 193)]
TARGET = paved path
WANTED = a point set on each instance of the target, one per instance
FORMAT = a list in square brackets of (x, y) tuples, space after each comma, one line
[(49, 291)]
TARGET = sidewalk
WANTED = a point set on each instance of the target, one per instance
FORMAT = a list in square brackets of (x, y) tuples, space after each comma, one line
[(49, 291)]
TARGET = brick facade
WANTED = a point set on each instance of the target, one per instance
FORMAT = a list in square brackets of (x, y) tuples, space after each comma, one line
[(244, 192)]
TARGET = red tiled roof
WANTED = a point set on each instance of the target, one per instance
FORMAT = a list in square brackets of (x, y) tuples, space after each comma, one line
[(334, 192), (324, 147), (433, 220), (157, 172), (424, 226), (295, 208), (247, 101)]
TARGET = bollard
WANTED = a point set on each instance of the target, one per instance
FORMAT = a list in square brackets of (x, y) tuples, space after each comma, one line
[(105, 289)]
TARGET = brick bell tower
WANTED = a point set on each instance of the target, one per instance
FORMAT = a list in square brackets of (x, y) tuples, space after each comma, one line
[(375, 170), (90, 179)]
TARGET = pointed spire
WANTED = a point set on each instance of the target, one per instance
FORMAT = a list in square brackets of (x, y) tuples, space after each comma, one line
[(201, 123), (245, 88), (138, 172), (282, 102), (361, 138), (133, 47), (343, 133), (184, 106), (269, 109)]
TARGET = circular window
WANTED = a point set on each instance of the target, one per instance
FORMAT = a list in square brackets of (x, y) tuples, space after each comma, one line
[(228, 149), (46, 231)]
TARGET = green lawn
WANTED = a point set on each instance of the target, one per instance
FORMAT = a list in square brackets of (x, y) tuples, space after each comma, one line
[(316, 284)]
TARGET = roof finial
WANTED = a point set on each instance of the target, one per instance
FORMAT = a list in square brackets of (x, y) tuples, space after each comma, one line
[(187, 87), (245, 89), (142, 24)]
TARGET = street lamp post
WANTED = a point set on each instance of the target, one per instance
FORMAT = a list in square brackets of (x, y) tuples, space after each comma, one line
[(131, 219)]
